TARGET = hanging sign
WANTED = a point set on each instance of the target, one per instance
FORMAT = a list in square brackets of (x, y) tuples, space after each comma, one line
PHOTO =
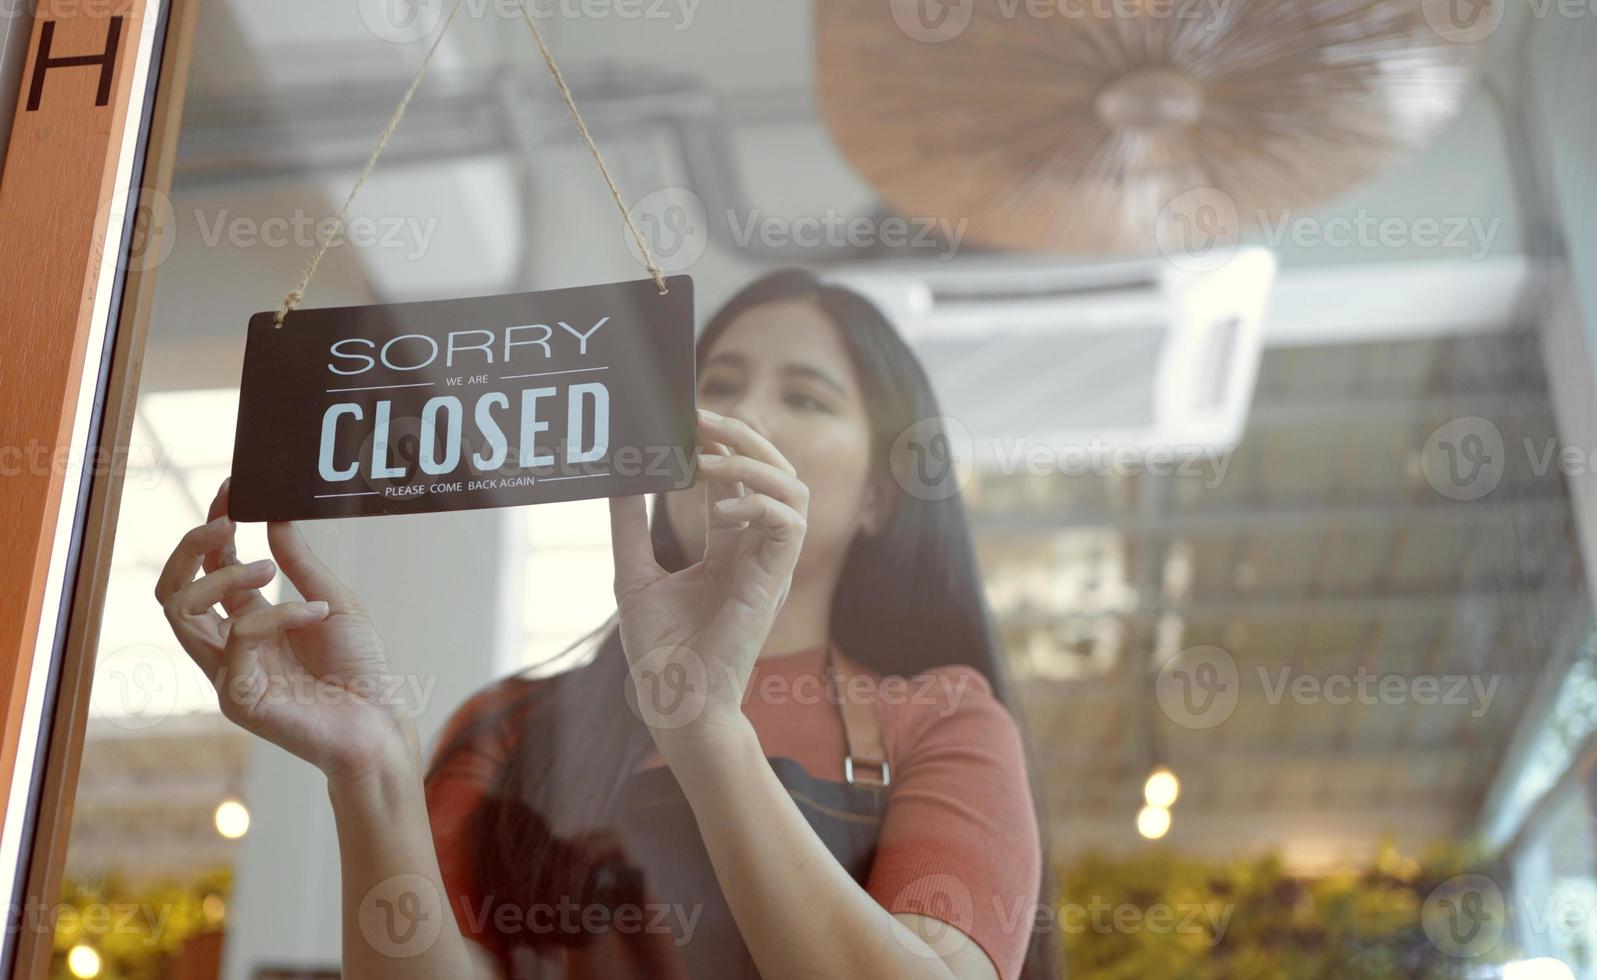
[(495, 401)]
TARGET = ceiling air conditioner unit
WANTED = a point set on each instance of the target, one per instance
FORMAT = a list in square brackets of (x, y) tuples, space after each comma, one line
[(1132, 355)]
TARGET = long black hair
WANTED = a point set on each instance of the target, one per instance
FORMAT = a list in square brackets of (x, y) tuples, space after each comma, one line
[(909, 599)]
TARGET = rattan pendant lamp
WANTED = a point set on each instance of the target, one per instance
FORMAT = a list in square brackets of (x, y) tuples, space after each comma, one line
[(1107, 126)]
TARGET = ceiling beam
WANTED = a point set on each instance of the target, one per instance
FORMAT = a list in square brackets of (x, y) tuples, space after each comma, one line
[(1297, 517), (1391, 301), (1274, 608)]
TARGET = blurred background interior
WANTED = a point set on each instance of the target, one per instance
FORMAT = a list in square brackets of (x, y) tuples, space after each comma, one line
[(1284, 483)]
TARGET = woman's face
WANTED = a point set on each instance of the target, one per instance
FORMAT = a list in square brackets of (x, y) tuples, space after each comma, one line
[(782, 369)]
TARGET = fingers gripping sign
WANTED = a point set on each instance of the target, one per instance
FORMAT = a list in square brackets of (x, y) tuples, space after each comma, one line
[(702, 627), (298, 673)]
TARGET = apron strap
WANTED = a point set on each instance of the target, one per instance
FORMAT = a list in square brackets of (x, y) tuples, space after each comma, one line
[(866, 764)]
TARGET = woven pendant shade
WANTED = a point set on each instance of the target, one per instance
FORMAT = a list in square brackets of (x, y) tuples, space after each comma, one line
[(1063, 126)]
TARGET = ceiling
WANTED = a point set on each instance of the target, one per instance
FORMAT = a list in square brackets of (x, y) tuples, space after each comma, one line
[(1318, 550)]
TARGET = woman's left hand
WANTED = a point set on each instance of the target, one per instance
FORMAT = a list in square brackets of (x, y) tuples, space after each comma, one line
[(691, 637)]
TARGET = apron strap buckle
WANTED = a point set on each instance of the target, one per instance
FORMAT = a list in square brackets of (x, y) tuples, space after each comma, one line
[(860, 726), (880, 778)]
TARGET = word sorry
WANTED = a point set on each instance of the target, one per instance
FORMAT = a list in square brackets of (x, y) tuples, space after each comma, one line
[(537, 335)]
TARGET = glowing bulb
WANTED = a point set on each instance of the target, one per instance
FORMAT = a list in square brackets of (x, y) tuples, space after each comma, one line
[(1162, 788), (214, 908), (83, 961), (1541, 968), (1153, 822), (232, 819)]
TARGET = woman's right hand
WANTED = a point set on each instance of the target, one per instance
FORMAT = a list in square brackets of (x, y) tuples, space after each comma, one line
[(311, 677)]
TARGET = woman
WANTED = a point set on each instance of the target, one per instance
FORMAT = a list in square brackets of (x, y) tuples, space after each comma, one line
[(816, 777)]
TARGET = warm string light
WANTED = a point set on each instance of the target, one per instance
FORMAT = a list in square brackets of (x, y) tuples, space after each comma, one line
[(83, 961), (232, 819), (1159, 792), (214, 908), (1153, 822), (1541, 968), (1161, 788)]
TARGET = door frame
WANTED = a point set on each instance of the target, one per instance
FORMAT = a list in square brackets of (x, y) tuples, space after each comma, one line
[(47, 666)]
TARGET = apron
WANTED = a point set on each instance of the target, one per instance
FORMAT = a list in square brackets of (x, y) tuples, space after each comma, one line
[(686, 930)]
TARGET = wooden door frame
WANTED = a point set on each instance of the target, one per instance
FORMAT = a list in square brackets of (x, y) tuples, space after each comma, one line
[(45, 812)]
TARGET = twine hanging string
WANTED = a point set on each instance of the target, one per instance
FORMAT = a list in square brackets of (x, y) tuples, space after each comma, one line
[(297, 294), (593, 148)]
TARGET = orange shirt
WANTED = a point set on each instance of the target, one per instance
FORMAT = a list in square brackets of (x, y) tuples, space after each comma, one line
[(959, 838)]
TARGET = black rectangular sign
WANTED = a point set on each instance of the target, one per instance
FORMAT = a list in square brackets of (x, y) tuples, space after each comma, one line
[(495, 401)]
